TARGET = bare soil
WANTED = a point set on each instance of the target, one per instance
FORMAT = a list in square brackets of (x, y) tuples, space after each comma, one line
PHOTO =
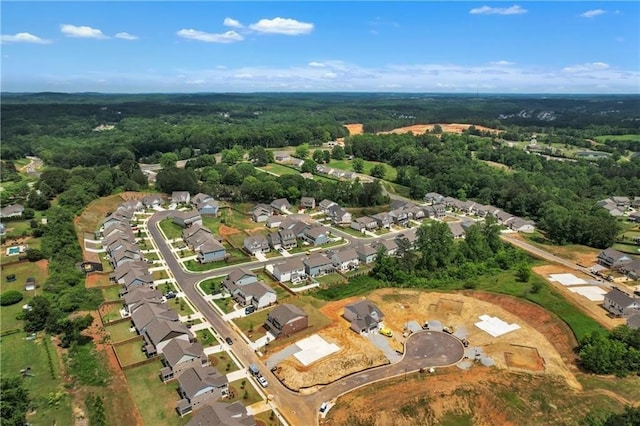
[(419, 129), (524, 357), (354, 129), (97, 279), (225, 231)]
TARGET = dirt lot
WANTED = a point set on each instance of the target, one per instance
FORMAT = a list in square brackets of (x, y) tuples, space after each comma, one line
[(354, 129), (455, 310), (593, 309), (225, 231), (419, 129)]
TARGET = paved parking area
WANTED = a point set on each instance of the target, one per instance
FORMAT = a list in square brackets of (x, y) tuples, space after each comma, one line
[(432, 349), (382, 343)]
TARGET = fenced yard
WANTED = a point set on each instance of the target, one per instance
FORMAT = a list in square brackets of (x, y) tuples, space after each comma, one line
[(130, 352), (120, 331)]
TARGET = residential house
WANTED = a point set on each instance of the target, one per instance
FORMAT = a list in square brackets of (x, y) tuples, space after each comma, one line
[(440, 211), (285, 239), (200, 386), (622, 202), (296, 162), (119, 229), (345, 260), (521, 225), (339, 215), (187, 218), (135, 278), (631, 269), (261, 212), (152, 201), (281, 204), (179, 355), (633, 322), (317, 264), (147, 312), (126, 253), (285, 320), (205, 204), (383, 219), (115, 218), (433, 198), (365, 223), (415, 212), (363, 315), (366, 254), (211, 251), (237, 278), (274, 221), (307, 203), (180, 197), (281, 157), (399, 216), (613, 209), (635, 203), (467, 207), (503, 217), (456, 229), (119, 273), (291, 270), (131, 206), (316, 235), (410, 236), (158, 333), (138, 296), (634, 217), (620, 303), (390, 247), (258, 294), (325, 204), (256, 244), (12, 210), (306, 176), (195, 233), (613, 259), (219, 413)]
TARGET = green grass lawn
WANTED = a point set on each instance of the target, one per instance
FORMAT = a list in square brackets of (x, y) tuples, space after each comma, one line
[(222, 362), (120, 331), (170, 229), (267, 418), (45, 382), (331, 279), (212, 223), (160, 275), (130, 352), (207, 286), (253, 322), (112, 315), (226, 304), (262, 275), (618, 138), (279, 169), (165, 288), (180, 306), (631, 248), (246, 394), (22, 271), (206, 338), (111, 293), (152, 256), (156, 400), (347, 165)]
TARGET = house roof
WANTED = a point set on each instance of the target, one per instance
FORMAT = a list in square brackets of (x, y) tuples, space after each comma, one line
[(196, 379), (188, 214), (147, 312), (614, 255), (260, 209), (255, 241), (365, 311), (148, 200), (307, 201), (257, 289), (142, 293), (325, 204), (519, 222), (180, 196), (317, 259), (280, 203), (346, 255), (220, 413), (177, 348), (410, 234), (315, 232), (388, 245), (365, 220), (366, 250), (12, 209), (210, 246), (159, 329), (127, 267), (456, 229), (286, 313), (238, 273), (289, 265), (621, 298), (188, 232), (633, 321)]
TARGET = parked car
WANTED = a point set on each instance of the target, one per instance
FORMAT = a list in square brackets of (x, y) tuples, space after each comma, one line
[(263, 382), (249, 309), (170, 295), (323, 407), (229, 340)]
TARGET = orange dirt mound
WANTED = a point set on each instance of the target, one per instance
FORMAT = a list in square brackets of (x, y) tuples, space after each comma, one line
[(447, 128), (354, 129), (225, 231)]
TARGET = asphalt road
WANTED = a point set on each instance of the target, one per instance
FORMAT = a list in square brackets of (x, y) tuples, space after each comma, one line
[(422, 350)]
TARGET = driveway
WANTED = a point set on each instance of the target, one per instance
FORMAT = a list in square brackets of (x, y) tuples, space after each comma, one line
[(382, 343), (261, 257)]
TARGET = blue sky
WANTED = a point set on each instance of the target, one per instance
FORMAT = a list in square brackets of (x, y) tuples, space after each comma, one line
[(490, 47)]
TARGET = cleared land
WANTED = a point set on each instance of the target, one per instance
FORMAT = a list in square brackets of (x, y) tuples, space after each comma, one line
[(446, 128), (355, 128), (347, 165)]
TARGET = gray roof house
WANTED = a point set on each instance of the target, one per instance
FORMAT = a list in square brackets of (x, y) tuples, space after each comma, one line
[(339, 215), (316, 235), (366, 253), (12, 210), (151, 201), (144, 314), (237, 278), (180, 355), (281, 204), (220, 413), (364, 223), (261, 212), (410, 235), (274, 221), (200, 386), (521, 225), (363, 315), (211, 251), (325, 204), (258, 294), (633, 322), (187, 218), (620, 303), (390, 247), (138, 295), (613, 259), (256, 244), (456, 229), (181, 197), (281, 156), (383, 219), (291, 270), (346, 259), (317, 264), (307, 203), (205, 204), (158, 333), (433, 198), (631, 269), (286, 319)]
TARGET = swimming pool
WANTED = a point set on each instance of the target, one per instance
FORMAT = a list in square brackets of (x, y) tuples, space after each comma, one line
[(13, 250)]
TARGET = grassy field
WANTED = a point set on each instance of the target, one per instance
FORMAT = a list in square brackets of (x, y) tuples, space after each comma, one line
[(180, 306), (390, 174), (45, 383), (170, 229), (130, 352), (618, 138), (92, 216), (331, 279), (226, 304), (120, 331), (209, 285), (111, 293), (246, 393), (22, 271), (254, 323), (279, 169), (222, 362), (155, 400), (206, 338), (627, 248)]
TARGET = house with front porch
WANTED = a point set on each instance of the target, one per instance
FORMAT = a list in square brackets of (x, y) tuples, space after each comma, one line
[(383, 219), (205, 204), (179, 356), (366, 254), (307, 203), (211, 251), (317, 264), (316, 235), (180, 197), (257, 294), (282, 205), (363, 315), (620, 303), (261, 212), (291, 270), (613, 259), (200, 386), (159, 332), (339, 215), (365, 223), (256, 244), (345, 260), (237, 278), (220, 413), (285, 320), (152, 201), (187, 218)]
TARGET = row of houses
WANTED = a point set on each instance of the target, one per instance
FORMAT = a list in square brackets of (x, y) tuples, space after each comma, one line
[(336, 173), (118, 239), (620, 262), (617, 206), (400, 214), (203, 203), (286, 158), (290, 230), (202, 241), (265, 212)]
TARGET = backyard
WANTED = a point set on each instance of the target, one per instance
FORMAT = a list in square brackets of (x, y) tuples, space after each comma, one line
[(22, 271), (390, 172), (279, 169), (170, 229), (120, 331), (130, 352)]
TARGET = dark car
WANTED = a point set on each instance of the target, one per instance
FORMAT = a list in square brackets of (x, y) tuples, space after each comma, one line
[(249, 309), (229, 340), (170, 295)]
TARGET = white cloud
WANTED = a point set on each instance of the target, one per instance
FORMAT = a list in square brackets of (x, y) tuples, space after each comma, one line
[(126, 36), (592, 13), (588, 67), (501, 63), (486, 10), (81, 31), (227, 37), (329, 75), (316, 64), (233, 23), (283, 26), (23, 38)]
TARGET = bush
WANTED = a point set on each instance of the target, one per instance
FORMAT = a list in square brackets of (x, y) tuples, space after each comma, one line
[(10, 297)]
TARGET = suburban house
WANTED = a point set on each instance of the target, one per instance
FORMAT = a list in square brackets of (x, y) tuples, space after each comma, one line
[(12, 210), (291, 270), (187, 218), (521, 225), (433, 198), (633, 322), (120, 229), (180, 197), (317, 264), (503, 217), (281, 204), (285, 238), (363, 315), (307, 203), (399, 216), (114, 219), (158, 333), (339, 215), (211, 251), (613, 259), (220, 413), (364, 223), (439, 210), (390, 247), (274, 221), (613, 209), (131, 206), (383, 219), (456, 229), (620, 303), (134, 278), (634, 217), (179, 356), (285, 320), (325, 204), (256, 244), (631, 270), (205, 204), (257, 294), (237, 278), (345, 260), (152, 201), (306, 175), (410, 235), (118, 275), (366, 254), (200, 386), (195, 233), (280, 157), (144, 314), (127, 253), (316, 235), (138, 296), (261, 212)]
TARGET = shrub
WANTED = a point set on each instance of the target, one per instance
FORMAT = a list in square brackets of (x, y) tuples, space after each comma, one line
[(10, 297)]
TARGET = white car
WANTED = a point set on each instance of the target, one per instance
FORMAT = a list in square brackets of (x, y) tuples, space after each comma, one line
[(263, 382)]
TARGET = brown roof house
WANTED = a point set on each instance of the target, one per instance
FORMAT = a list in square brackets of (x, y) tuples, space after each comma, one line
[(220, 413), (284, 320), (179, 356), (200, 386), (363, 315)]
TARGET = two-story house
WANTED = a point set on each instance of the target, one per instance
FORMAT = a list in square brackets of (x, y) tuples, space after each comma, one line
[(256, 244), (179, 356), (200, 386), (291, 270), (285, 320)]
